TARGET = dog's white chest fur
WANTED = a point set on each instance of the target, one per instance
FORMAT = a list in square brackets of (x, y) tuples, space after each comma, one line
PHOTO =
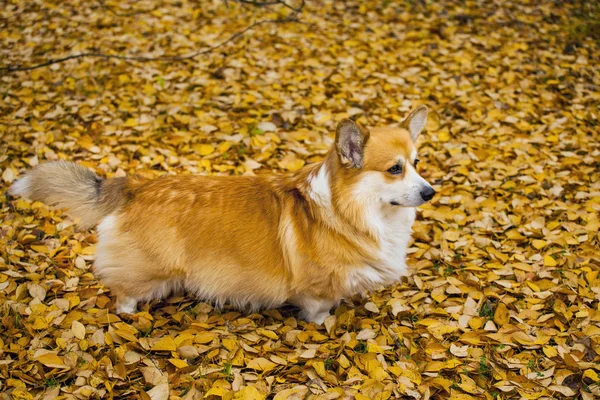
[(395, 228)]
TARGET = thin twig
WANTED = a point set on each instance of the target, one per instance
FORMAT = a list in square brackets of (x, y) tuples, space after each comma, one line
[(258, 3), (232, 38)]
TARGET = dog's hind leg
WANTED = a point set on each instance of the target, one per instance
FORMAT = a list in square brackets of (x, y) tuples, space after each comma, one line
[(123, 267)]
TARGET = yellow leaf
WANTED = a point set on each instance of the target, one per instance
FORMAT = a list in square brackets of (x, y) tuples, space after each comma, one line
[(443, 135), (204, 337), (36, 126), (337, 78), (523, 338), (203, 149), (229, 344), (463, 396), (593, 375), (261, 364), (428, 322), (501, 315), (535, 287), (291, 163), (166, 343), (319, 367), (374, 348), (40, 248), (21, 394), (440, 329), (40, 323), (223, 147), (127, 335), (178, 363), (476, 322), (88, 251), (217, 391), (238, 359), (184, 337), (249, 393), (591, 330), (435, 366), (469, 385), (549, 351), (442, 382), (509, 185), (378, 374), (514, 234), (267, 333), (538, 244), (451, 236), (131, 122), (51, 360), (549, 261), (471, 338)]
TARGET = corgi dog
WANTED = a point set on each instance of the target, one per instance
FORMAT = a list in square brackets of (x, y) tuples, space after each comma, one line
[(311, 238)]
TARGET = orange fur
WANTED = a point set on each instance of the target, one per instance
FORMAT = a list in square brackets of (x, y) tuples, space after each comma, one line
[(310, 238)]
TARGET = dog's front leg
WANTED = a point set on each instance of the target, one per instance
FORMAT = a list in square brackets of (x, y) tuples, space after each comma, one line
[(313, 309)]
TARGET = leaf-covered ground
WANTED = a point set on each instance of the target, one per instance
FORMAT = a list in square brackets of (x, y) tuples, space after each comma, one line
[(503, 300)]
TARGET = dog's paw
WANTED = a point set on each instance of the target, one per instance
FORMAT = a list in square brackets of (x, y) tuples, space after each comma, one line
[(127, 305)]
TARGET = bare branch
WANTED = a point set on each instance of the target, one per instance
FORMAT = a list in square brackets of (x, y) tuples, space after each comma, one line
[(259, 3)]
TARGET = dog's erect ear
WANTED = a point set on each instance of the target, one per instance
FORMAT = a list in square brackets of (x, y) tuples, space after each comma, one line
[(350, 140), (415, 122)]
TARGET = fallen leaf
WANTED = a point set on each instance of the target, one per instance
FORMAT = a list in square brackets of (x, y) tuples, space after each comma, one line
[(166, 343)]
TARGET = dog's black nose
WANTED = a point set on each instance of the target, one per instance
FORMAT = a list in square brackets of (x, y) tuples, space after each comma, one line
[(427, 193)]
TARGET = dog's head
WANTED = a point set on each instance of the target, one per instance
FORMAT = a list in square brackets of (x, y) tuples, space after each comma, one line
[(382, 164)]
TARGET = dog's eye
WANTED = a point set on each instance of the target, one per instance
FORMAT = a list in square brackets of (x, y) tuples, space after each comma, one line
[(395, 170), (417, 161)]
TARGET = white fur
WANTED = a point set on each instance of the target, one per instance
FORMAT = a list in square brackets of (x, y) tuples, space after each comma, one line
[(398, 230), (107, 234), (367, 194), (21, 187), (392, 224), (127, 305), (363, 278), (320, 191), (319, 185), (312, 309), (396, 226), (107, 225)]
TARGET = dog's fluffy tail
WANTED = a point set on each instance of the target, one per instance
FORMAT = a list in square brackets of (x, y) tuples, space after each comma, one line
[(64, 184)]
